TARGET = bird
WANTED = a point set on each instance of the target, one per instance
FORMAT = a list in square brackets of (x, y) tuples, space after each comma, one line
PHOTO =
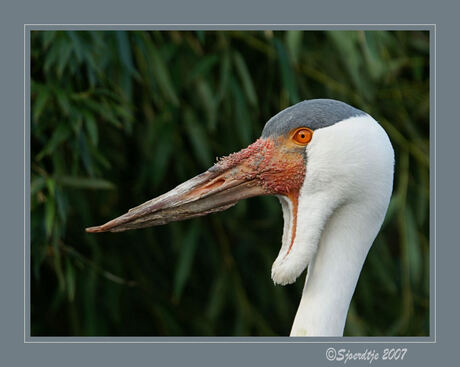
[(331, 166)]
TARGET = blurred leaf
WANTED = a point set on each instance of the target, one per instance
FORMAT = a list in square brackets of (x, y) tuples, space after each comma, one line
[(63, 101), (393, 208), (48, 37), (412, 246), (124, 50), (207, 98), (346, 44), (217, 296), (161, 73), (62, 206), (37, 184), (84, 182), (163, 153), (43, 95), (203, 67), (52, 56), (91, 126), (242, 121), (184, 265), (59, 136), (381, 266), (422, 204), (39, 252), (287, 75), (374, 61), (84, 153), (49, 215), (224, 76), (70, 278), (64, 55), (76, 43), (58, 265), (197, 136), (294, 45), (245, 77)]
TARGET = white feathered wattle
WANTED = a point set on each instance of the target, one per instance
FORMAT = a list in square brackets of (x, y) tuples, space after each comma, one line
[(342, 204)]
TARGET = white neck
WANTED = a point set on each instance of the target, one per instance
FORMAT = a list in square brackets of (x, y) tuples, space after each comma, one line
[(341, 206), (333, 274)]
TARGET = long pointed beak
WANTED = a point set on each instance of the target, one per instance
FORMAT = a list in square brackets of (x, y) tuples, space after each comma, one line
[(234, 178)]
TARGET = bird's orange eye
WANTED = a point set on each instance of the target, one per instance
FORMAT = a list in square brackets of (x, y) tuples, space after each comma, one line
[(302, 136)]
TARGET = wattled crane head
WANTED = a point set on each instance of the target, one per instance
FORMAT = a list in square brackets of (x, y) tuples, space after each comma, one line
[(315, 156)]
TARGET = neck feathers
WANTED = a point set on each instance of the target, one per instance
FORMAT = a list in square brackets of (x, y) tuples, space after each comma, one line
[(334, 272), (342, 204)]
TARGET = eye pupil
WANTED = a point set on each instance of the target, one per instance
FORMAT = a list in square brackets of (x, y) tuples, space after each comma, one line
[(302, 136)]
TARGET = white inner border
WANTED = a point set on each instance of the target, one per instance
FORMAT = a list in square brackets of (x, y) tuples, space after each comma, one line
[(432, 81)]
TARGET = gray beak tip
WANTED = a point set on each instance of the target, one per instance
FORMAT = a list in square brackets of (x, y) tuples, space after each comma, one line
[(95, 229)]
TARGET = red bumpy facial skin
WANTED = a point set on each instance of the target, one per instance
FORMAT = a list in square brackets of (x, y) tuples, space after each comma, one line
[(279, 168)]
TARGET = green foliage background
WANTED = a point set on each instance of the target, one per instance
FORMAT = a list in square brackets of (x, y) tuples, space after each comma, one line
[(121, 117)]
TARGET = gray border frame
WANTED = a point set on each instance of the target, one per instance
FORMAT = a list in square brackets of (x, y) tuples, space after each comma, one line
[(432, 338)]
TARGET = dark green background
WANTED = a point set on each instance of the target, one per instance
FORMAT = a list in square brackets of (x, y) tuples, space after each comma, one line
[(120, 117)]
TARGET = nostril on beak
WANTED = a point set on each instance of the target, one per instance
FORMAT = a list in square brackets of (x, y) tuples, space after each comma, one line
[(215, 183), (212, 185)]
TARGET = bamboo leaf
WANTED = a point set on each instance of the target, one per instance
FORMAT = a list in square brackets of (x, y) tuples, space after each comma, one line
[(224, 76), (163, 152), (393, 208), (38, 255), (243, 121), (50, 212), (375, 63), (346, 44), (91, 127), (41, 100), (76, 44), (59, 136), (48, 38), (161, 74), (70, 281), (63, 101), (186, 256), (124, 50), (287, 75), (37, 184), (84, 183), (85, 154), (52, 58), (57, 261), (62, 206), (217, 297), (245, 77), (207, 99), (380, 263), (202, 68), (197, 136), (64, 55), (294, 45), (412, 246)]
